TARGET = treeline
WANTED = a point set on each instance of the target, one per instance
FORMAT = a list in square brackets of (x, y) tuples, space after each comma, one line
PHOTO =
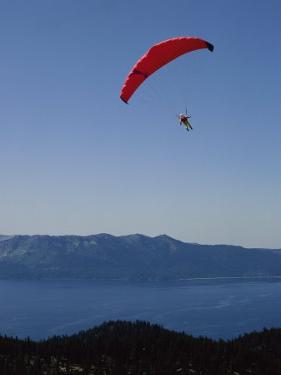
[(140, 348)]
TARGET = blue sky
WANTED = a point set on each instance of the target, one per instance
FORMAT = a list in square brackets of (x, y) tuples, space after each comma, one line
[(74, 159)]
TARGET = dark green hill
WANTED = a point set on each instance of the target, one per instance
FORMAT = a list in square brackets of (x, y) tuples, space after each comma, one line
[(139, 348)]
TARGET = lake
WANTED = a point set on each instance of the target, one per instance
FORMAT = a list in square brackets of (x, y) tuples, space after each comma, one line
[(222, 307)]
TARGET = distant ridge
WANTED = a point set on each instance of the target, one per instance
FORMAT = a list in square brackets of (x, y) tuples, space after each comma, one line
[(4, 237), (136, 256)]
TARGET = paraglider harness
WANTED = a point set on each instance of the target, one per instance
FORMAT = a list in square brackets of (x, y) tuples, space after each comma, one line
[(184, 120)]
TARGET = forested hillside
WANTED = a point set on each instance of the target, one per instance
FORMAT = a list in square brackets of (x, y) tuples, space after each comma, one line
[(139, 348)]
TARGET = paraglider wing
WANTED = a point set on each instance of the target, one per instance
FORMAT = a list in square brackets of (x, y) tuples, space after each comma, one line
[(157, 56)]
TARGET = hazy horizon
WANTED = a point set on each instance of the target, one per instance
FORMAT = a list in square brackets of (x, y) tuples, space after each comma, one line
[(131, 234)]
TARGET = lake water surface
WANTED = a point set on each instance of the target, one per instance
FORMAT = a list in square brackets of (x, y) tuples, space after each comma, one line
[(212, 307)]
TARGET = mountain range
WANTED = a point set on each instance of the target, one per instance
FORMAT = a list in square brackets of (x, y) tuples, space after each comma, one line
[(131, 257)]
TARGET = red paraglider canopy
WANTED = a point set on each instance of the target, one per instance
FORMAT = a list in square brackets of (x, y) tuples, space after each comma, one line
[(157, 56)]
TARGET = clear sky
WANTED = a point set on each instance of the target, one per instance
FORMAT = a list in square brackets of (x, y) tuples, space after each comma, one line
[(74, 159)]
